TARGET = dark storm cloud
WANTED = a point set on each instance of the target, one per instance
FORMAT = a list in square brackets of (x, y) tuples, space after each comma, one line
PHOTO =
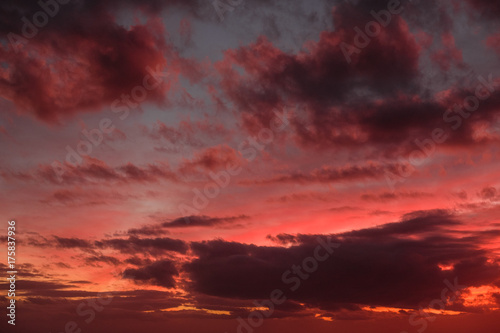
[(82, 58), (322, 77), (160, 273), (375, 100), (397, 265)]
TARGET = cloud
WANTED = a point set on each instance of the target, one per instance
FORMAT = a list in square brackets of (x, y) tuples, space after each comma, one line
[(71, 243), (449, 54), (84, 58), (78, 197), (388, 196), (187, 222), (160, 273), (379, 100), (203, 221), (332, 175), (130, 245), (95, 260), (93, 171), (489, 9), (394, 265), (320, 76), (187, 133), (211, 159), (147, 230), (489, 193), (134, 245)]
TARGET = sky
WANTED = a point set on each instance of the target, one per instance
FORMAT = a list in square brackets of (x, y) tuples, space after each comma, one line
[(251, 166)]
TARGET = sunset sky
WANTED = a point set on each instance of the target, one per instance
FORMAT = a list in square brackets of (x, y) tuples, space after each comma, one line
[(171, 163)]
